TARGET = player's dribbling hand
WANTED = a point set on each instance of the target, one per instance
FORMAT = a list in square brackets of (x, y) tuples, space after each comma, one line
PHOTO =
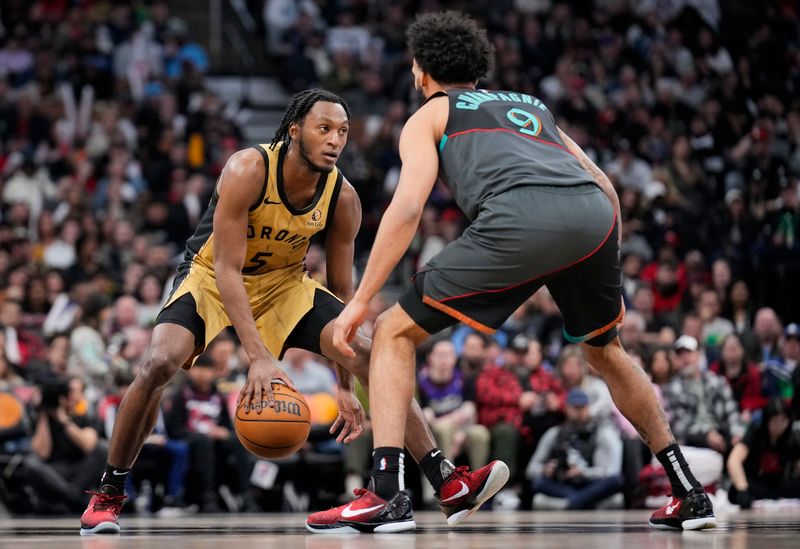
[(262, 373), (351, 417), (346, 325)]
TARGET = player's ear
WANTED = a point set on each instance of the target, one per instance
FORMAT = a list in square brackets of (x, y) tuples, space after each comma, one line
[(294, 131)]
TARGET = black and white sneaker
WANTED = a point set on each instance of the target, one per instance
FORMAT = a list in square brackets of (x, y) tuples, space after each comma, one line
[(368, 513), (693, 512)]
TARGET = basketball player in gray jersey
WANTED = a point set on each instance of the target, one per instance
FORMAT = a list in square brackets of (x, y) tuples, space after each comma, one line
[(541, 214)]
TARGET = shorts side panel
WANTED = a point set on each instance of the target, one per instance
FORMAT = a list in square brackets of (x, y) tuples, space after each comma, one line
[(589, 296)]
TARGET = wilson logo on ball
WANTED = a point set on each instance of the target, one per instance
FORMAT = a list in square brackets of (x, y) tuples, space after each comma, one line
[(288, 407)]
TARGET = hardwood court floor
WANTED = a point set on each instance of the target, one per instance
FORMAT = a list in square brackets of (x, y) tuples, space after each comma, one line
[(499, 530)]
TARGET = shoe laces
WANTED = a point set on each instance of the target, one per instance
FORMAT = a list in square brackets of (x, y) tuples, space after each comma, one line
[(106, 501), (461, 471), (358, 492)]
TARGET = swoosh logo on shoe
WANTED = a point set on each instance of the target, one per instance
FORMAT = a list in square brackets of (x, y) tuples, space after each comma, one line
[(672, 507), (349, 513), (463, 492)]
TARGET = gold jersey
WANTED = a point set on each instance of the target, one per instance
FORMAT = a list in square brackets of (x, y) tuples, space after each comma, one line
[(278, 234), (279, 290)]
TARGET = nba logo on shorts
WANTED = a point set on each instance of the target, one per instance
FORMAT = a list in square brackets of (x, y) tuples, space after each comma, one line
[(382, 466)]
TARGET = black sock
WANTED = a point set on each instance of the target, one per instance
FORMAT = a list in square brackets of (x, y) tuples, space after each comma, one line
[(680, 476), (113, 480), (436, 468), (387, 471)]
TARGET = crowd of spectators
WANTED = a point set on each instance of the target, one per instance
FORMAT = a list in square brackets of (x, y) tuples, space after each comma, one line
[(110, 144)]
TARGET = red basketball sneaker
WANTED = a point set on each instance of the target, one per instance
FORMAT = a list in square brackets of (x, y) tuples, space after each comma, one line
[(465, 491), (101, 515), (366, 513), (693, 512)]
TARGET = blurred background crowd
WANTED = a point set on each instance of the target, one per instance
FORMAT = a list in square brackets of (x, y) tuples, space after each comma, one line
[(110, 142)]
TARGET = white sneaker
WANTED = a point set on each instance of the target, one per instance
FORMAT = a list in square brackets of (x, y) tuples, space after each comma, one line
[(506, 500), (543, 502)]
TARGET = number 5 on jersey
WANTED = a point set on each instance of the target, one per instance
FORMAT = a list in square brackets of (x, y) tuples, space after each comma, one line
[(256, 263)]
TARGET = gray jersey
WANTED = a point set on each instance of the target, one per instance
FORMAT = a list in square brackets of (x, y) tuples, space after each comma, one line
[(496, 141)]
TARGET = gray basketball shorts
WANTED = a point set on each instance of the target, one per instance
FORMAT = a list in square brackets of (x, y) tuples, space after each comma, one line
[(563, 237)]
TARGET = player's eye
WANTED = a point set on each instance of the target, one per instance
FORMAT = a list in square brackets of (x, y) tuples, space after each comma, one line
[(323, 128)]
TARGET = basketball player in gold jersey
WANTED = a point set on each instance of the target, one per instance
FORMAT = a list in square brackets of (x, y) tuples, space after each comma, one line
[(244, 266)]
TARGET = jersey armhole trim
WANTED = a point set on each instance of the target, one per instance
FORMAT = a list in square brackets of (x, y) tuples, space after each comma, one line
[(264, 154), (337, 188)]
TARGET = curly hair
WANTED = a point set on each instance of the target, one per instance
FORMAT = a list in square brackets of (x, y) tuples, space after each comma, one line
[(299, 105), (450, 47)]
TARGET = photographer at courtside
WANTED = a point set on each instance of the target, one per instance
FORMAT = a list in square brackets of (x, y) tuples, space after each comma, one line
[(66, 457)]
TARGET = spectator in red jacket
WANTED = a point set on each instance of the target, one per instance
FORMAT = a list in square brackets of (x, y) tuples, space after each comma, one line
[(744, 377), (499, 397), (542, 399), (668, 278)]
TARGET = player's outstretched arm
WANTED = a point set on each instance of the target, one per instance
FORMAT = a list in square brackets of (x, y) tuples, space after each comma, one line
[(239, 188), (399, 223)]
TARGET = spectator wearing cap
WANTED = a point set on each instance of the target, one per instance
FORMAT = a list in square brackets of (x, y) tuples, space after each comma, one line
[(576, 464), (573, 371), (743, 377), (779, 374), (704, 412)]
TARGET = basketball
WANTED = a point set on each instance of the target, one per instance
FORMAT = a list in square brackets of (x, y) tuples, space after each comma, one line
[(276, 432)]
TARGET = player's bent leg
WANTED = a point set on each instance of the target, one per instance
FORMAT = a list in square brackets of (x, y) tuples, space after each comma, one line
[(392, 374), (633, 394), (392, 353), (171, 346)]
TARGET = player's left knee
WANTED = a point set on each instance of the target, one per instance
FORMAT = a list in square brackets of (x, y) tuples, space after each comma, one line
[(394, 323), (384, 325)]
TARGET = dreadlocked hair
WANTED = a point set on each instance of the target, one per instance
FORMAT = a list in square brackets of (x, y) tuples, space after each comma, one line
[(299, 105)]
